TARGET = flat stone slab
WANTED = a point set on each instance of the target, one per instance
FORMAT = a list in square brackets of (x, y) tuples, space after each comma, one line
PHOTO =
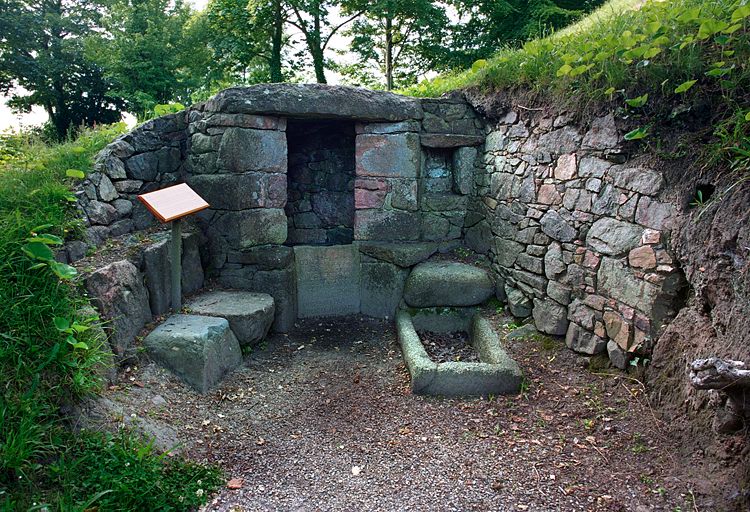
[(249, 314), (446, 283), (200, 350), (496, 373), (328, 280), (315, 101)]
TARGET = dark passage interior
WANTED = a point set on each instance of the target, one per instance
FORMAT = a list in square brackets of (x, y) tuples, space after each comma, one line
[(320, 207)]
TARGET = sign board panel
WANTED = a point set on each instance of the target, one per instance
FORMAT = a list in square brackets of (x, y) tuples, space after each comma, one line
[(173, 202)]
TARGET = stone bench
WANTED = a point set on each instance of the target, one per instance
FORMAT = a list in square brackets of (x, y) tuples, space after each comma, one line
[(249, 314)]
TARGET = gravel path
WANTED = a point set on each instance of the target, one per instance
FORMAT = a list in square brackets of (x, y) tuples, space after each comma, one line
[(323, 419)]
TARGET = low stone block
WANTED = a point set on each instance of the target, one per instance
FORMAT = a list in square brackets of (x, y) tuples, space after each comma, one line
[(328, 280), (496, 373), (282, 286), (250, 315), (200, 350), (447, 284), (382, 286)]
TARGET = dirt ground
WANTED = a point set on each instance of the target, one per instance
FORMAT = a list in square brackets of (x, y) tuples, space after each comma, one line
[(323, 419)]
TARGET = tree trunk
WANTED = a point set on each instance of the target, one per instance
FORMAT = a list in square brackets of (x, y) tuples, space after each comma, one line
[(317, 51), (388, 54), (278, 33)]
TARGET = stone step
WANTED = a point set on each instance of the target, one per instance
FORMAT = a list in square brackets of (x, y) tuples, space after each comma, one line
[(249, 314), (200, 350), (447, 283)]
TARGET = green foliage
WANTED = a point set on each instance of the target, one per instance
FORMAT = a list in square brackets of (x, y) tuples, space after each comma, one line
[(245, 40), (125, 473), (143, 51), (688, 48), (487, 26), (51, 347), (42, 51), (395, 41)]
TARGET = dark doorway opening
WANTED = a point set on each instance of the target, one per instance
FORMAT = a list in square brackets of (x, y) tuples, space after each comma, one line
[(320, 186)]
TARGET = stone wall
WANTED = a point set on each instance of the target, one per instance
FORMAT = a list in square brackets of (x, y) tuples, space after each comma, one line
[(578, 235), (149, 158), (288, 164), (320, 190)]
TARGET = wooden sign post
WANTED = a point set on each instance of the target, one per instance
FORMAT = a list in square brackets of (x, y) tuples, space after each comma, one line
[(171, 204)]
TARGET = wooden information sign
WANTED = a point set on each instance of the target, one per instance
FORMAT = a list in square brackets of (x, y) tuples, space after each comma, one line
[(173, 202), (170, 205)]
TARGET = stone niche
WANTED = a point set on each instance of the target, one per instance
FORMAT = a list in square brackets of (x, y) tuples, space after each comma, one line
[(304, 181), (320, 182)]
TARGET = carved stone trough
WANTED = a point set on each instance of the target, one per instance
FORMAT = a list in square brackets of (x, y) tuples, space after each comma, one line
[(495, 374)]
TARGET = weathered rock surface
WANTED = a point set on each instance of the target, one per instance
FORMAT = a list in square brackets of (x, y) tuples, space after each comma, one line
[(316, 101), (200, 350), (447, 284), (550, 317), (584, 341), (613, 237), (156, 268), (404, 255), (250, 315), (118, 293)]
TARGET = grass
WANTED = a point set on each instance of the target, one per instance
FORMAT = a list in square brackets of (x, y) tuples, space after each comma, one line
[(652, 61), (51, 352)]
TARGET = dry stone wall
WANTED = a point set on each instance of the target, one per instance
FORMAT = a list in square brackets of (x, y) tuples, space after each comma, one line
[(271, 187), (578, 235)]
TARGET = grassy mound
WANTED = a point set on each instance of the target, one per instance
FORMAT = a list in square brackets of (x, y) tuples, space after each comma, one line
[(51, 351), (653, 60)]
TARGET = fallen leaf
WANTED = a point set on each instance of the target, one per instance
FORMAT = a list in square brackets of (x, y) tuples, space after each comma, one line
[(356, 470), (260, 441), (235, 483)]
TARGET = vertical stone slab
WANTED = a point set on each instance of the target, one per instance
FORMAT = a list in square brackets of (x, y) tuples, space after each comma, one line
[(328, 280), (389, 156), (382, 288)]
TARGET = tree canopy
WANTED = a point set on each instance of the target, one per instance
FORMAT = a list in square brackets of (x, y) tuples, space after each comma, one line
[(86, 61)]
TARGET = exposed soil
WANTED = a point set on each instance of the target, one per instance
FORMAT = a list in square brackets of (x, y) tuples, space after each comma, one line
[(449, 346), (323, 419)]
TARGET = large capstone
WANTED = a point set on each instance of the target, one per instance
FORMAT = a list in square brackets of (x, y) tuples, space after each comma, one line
[(447, 284), (250, 315), (200, 350), (316, 100)]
